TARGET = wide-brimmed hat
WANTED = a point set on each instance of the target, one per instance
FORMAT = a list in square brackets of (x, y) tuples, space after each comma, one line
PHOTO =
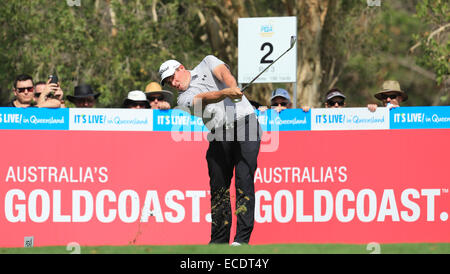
[(82, 91), (136, 96), (391, 86), (154, 87)]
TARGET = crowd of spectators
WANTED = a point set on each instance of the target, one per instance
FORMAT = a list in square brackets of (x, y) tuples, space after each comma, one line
[(49, 94)]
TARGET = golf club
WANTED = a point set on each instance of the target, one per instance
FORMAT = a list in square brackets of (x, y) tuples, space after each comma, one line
[(292, 43)]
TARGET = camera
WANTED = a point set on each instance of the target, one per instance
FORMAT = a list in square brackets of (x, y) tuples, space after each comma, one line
[(53, 79)]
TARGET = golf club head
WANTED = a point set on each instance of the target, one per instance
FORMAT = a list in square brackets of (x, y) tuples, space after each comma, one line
[(293, 40)]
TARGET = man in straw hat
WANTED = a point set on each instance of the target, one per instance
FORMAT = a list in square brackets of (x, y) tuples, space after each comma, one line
[(391, 95), (158, 98)]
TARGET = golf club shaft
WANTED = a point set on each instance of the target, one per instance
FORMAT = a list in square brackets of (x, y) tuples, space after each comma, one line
[(293, 40), (251, 82)]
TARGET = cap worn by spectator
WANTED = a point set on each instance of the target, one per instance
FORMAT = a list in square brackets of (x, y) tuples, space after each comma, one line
[(334, 98), (279, 92), (280, 100), (335, 93)]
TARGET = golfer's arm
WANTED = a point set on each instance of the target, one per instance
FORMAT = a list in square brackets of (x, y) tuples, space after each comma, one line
[(224, 75), (208, 98)]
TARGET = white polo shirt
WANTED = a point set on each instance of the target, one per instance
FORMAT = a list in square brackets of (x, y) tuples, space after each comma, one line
[(218, 114)]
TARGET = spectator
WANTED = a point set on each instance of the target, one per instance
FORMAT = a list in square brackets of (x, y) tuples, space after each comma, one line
[(49, 95), (84, 96), (334, 99), (39, 87), (136, 99), (24, 92), (391, 95), (279, 101), (158, 98)]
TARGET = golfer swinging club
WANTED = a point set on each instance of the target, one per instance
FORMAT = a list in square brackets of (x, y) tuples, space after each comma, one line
[(234, 140)]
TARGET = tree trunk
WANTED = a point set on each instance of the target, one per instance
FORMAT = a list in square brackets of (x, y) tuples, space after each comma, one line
[(311, 17)]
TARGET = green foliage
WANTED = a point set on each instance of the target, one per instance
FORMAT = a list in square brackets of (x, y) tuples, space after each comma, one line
[(114, 47), (118, 46), (434, 42), (380, 46)]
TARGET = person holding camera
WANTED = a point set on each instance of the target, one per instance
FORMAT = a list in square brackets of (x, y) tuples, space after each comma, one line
[(49, 94), (26, 95)]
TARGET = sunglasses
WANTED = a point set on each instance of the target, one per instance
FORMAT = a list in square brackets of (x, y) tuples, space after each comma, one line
[(153, 98), (29, 89), (136, 104), (332, 103), (37, 94), (391, 96), (283, 104)]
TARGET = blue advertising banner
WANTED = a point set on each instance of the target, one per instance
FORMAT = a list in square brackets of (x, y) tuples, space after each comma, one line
[(34, 118), (176, 120), (270, 120), (420, 117), (286, 120)]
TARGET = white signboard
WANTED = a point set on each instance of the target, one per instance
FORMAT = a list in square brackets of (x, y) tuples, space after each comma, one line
[(111, 119), (261, 40), (349, 118)]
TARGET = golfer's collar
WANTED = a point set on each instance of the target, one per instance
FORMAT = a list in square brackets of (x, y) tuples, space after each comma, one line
[(194, 74)]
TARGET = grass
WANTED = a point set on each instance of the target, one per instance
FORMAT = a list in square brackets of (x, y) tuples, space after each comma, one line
[(413, 248)]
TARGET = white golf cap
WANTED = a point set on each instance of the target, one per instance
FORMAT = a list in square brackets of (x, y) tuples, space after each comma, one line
[(167, 69)]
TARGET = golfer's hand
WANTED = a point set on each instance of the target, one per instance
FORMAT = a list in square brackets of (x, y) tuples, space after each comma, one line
[(233, 93)]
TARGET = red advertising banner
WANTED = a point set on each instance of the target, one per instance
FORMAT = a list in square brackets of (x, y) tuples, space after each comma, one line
[(119, 188)]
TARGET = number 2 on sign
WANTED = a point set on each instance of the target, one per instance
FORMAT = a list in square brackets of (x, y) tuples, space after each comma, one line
[(263, 59)]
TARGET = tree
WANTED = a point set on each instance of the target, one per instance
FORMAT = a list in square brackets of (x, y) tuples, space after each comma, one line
[(118, 45), (432, 49)]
